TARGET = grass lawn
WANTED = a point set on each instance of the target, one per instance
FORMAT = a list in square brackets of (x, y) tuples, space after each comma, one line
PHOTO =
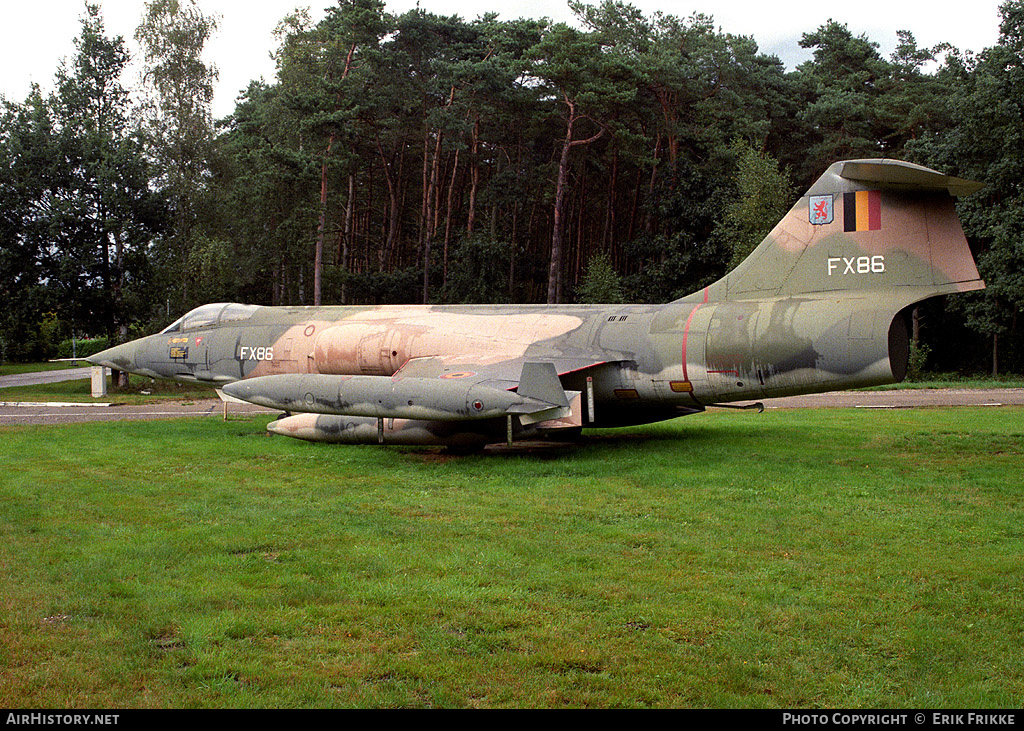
[(794, 558)]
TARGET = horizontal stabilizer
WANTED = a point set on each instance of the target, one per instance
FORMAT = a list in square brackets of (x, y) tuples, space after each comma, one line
[(895, 174)]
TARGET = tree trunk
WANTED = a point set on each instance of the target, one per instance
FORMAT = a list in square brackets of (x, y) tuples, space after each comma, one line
[(121, 377), (558, 230), (474, 149), (318, 254), (346, 235), (384, 257), (995, 354), (558, 224), (430, 211), (448, 219)]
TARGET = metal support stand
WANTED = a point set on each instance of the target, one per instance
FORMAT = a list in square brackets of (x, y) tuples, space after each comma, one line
[(758, 407)]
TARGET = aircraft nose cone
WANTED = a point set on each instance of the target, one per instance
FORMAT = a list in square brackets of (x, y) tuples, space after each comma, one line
[(120, 357)]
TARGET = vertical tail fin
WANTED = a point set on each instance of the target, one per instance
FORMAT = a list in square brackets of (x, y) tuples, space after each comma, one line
[(880, 226)]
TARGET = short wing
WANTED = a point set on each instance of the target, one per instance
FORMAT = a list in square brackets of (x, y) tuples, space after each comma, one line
[(505, 374), (433, 389), (536, 379)]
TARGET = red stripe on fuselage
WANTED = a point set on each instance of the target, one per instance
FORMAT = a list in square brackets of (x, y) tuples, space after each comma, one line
[(686, 333)]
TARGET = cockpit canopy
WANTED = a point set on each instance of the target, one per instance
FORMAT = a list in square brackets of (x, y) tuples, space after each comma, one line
[(208, 315)]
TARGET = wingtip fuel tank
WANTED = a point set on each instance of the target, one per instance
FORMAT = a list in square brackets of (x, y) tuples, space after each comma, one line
[(383, 397)]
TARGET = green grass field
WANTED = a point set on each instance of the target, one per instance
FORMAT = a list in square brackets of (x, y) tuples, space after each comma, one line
[(809, 558), (140, 391)]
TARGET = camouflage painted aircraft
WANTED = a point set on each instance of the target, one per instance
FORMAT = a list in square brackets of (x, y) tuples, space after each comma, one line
[(820, 305)]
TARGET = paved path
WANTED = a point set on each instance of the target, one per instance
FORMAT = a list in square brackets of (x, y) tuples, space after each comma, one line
[(41, 413), (32, 379), (903, 399)]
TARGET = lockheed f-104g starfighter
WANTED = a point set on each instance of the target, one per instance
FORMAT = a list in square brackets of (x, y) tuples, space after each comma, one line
[(820, 305)]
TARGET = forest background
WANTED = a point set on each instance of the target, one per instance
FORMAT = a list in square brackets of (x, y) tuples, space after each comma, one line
[(419, 158)]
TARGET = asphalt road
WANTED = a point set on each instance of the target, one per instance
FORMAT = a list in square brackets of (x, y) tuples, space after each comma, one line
[(903, 399), (32, 379), (43, 413)]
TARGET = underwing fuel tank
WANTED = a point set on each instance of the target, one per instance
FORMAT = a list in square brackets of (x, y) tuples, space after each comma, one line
[(382, 397), (332, 429)]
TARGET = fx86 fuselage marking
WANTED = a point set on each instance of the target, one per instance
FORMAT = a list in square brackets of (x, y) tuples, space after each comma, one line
[(246, 352)]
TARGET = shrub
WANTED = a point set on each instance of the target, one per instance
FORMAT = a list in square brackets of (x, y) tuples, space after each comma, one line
[(82, 347)]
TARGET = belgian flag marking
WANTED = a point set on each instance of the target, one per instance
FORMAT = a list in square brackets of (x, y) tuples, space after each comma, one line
[(862, 211)]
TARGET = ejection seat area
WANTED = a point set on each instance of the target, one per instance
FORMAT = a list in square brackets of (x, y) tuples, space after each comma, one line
[(207, 315)]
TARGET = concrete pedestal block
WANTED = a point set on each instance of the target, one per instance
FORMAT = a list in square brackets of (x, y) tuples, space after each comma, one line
[(99, 381)]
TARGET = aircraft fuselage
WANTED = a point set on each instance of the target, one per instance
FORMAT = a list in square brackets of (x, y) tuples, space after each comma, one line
[(644, 362)]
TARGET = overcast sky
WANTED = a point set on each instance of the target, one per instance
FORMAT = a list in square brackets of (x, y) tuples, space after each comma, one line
[(37, 34)]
